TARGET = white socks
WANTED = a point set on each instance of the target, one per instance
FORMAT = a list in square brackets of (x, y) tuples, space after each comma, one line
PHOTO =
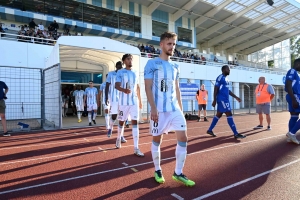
[(90, 117), (180, 154), (120, 132), (107, 121), (135, 135), (155, 150)]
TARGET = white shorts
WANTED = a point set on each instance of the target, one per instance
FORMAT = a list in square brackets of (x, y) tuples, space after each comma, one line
[(114, 108), (91, 107), (80, 107), (168, 121), (126, 111)]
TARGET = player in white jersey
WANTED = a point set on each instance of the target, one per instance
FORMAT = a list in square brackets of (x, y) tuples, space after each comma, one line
[(105, 107), (162, 89), (128, 85), (79, 94), (91, 99), (112, 97)]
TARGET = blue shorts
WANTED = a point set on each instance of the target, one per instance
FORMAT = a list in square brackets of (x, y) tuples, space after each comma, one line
[(223, 106), (289, 101)]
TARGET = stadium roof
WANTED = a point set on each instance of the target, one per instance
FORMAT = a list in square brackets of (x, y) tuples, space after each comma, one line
[(238, 26)]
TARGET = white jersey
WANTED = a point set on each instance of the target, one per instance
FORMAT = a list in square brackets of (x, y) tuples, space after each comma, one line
[(91, 95), (102, 89), (128, 80), (164, 74), (78, 94), (113, 93)]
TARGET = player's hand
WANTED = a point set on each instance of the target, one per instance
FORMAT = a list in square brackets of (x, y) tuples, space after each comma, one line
[(154, 115), (295, 103), (214, 103), (238, 99), (140, 105), (127, 91)]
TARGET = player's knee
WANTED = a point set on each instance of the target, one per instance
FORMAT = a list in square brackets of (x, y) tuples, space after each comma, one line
[(134, 122), (156, 143), (181, 136), (157, 139)]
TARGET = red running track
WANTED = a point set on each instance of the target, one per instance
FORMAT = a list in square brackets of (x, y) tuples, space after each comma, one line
[(84, 164)]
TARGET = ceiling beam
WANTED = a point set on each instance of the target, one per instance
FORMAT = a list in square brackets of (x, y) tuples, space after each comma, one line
[(187, 7), (269, 43), (273, 34), (211, 13), (119, 3), (153, 6), (245, 25)]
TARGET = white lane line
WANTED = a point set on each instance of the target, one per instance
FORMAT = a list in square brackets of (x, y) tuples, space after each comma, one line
[(125, 164), (177, 196), (121, 168), (245, 180), (104, 150), (86, 140), (100, 138)]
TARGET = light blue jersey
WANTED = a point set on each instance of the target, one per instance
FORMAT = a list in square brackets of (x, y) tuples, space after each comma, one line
[(128, 80), (91, 95), (222, 83), (78, 94), (164, 75), (102, 89), (113, 93)]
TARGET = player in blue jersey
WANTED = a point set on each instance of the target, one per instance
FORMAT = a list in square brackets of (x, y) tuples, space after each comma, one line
[(105, 107), (112, 98), (91, 99), (127, 83), (292, 87), (162, 89), (221, 98), (79, 94)]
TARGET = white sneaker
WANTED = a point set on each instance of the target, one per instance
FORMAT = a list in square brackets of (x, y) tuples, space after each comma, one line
[(118, 144), (292, 138), (138, 153), (287, 138), (123, 140)]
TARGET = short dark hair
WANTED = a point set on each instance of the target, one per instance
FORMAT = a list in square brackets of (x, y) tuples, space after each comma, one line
[(126, 56), (168, 35), (91, 81), (106, 75), (297, 61), (224, 66), (118, 63)]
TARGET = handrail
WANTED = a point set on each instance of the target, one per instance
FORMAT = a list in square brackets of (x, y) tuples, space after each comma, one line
[(23, 38)]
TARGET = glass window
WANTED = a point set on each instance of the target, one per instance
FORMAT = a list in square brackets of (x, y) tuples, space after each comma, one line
[(158, 28), (126, 22), (34, 6), (110, 18), (74, 10), (137, 24), (92, 14), (97, 78), (184, 35), (75, 77), (54, 8), (12, 4)]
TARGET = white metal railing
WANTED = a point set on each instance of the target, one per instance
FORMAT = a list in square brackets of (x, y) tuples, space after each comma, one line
[(23, 38), (257, 68)]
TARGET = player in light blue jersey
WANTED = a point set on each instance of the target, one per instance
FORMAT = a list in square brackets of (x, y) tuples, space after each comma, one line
[(127, 83), (221, 98), (105, 107), (79, 94), (112, 97), (91, 99), (162, 88), (292, 87)]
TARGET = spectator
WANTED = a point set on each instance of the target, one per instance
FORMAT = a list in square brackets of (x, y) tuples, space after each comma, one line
[(203, 59), (41, 26), (32, 24), (54, 25), (21, 34), (216, 59), (1, 31), (3, 92)]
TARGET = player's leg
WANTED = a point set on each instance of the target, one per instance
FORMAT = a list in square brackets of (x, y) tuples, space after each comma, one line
[(134, 114), (267, 112), (204, 112), (123, 114), (106, 115), (95, 108), (66, 109), (79, 109), (89, 110), (126, 123), (3, 119), (294, 123), (114, 107), (199, 112), (179, 125), (232, 124), (220, 110)]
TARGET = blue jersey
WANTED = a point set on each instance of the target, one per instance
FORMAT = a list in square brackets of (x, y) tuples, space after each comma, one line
[(102, 89), (222, 83), (293, 76), (113, 93), (164, 75), (128, 80), (91, 95)]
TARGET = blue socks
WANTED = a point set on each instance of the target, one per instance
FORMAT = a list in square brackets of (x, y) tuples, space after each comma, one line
[(295, 128), (213, 123), (292, 122), (232, 125)]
